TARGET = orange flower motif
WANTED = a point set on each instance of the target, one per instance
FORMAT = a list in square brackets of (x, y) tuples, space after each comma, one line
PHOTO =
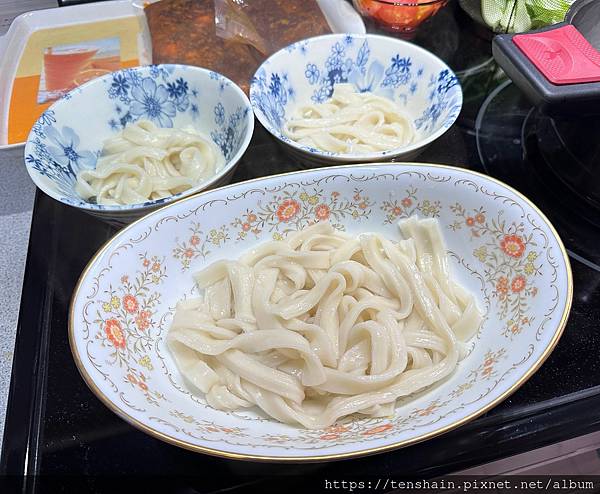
[(337, 429), (525, 320), (131, 378), (143, 386), (407, 202), (363, 205), (335, 194), (113, 331), (378, 430), (189, 253), (488, 361), (194, 240), (156, 266), (357, 196), (251, 218), (322, 211), (329, 437), (470, 221), (130, 303), (429, 410), (226, 429), (512, 245), (518, 284), (502, 284), (487, 371), (142, 323), (124, 278), (287, 210), (480, 218), (145, 314), (246, 227), (212, 429), (397, 211), (146, 263), (534, 291), (515, 329)]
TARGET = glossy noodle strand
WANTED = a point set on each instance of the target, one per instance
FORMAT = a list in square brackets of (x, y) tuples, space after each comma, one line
[(145, 162), (322, 325), (351, 123)]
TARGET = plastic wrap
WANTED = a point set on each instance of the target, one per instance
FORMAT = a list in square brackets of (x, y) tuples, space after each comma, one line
[(233, 22), (232, 37)]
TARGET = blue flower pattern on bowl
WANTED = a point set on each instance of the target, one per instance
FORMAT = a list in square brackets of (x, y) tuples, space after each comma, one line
[(272, 96), (229, 134), (46, 118), (162, 94), (400, 76), (440, 102)]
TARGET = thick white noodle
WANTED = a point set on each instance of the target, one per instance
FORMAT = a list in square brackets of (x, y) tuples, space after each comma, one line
[(146, 162), (351, 123), (323, 325)]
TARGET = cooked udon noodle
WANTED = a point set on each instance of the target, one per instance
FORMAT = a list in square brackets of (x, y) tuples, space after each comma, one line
[(323, 324), (351, 122), (146, 162)]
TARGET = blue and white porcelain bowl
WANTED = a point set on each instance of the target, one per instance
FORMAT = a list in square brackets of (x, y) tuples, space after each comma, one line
[(308, 71), (69, 136)]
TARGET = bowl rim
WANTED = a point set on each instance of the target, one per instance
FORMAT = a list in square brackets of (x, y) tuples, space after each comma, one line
[(374, 156), (335, 456), (152, 203)]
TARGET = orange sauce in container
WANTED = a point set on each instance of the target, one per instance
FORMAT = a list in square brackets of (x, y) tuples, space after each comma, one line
[(402, 17)]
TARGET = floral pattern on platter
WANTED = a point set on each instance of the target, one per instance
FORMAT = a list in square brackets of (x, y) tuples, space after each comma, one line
[(126, 324), (409, 205), (163, 94), (510, 257), (197, 245), (399, 76), (207, 426), (292, 211), (132, 297)]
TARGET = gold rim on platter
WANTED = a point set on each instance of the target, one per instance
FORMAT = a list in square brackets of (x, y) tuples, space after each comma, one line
[(338, 456)]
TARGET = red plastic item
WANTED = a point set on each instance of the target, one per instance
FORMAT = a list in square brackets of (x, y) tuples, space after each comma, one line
[(563, 55)]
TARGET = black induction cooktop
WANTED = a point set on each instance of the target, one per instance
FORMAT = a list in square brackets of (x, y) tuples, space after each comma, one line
[(56, 429), (554, 161)]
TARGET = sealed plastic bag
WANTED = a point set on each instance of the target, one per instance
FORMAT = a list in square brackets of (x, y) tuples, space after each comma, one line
[(268, 25), (231, 37), (523, 15), (516, 16)]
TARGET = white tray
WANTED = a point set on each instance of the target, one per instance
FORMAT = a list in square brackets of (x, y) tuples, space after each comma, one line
[(15, 41)]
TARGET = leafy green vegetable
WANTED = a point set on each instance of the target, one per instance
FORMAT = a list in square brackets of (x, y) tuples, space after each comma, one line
[(515, 16)]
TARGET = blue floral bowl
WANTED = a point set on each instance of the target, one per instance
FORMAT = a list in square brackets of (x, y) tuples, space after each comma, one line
[(307, 72), (69, 135)]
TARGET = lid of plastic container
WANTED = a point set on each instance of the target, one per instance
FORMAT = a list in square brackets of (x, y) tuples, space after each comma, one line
[(562, 55)]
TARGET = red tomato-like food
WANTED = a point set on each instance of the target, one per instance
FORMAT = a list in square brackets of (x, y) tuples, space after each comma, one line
[(397, 16)]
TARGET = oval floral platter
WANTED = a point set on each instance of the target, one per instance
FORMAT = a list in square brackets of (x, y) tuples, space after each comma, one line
[(501, 248)]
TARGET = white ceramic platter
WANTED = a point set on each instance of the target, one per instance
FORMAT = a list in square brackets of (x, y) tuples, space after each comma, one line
[(501, 247)]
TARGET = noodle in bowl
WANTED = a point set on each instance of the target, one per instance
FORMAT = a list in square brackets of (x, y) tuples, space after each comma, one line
[(120, 334), (419, 88), (139, 118)]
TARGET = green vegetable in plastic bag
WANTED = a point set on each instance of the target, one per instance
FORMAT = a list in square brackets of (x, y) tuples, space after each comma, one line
[(516, 16)]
